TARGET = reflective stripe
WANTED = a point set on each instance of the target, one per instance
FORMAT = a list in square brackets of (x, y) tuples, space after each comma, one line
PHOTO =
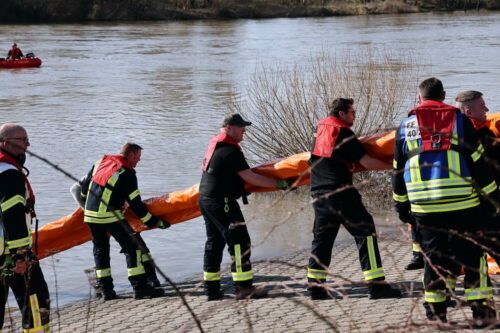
[(477, 154), (242, 276), (14, 244), (400, 198), (134, 194), (318, 274), (104, 272), (445, 207), (114, 177), (371, 252), (483, 272), (454, 170), (106, 195), (83, 195), (440, 193), (102, 217), (139, 269), (17, 199), (416, 247), (373, 273), (451, 283), (435, 296), (414, 170), (115, 213), (478, 293), (489, 188), (135, 271), (237, 257), (35, 311), (394, 164), (209, 276), (146, 257), (146, 217), (439, 183), (38, 329)]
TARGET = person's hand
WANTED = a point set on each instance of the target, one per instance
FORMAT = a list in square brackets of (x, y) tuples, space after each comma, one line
[(406, 217), (284, 184), (162, 224), (20, 267)]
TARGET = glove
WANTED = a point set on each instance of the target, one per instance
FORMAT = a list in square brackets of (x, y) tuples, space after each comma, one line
[(284, 184), (162, 224), (156, 222), (405, 217)]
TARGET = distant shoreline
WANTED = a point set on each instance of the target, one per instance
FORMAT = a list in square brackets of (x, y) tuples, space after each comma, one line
[(59, 11)]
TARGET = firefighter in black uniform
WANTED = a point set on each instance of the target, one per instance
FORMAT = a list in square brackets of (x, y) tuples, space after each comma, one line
[(336, 202), (439, 178), (224, 172), (111, 183), (20, 269)]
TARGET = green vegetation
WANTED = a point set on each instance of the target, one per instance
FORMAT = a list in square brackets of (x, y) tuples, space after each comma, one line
[(129, 10)]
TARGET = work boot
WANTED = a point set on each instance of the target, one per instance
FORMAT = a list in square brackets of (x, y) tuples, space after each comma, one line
[(451, 303), (153, 281), (416, 262), (383, 290), (108, 295), (436, 312), (151, 277), (212, 290), (319, 293), (484, 314), (215, 295), (250, 292), (148, 292)]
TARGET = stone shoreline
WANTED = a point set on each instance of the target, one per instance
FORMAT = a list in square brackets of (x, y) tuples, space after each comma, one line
[(288, 307)]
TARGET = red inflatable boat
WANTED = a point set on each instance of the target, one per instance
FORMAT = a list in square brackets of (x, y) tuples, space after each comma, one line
[(20, 63)]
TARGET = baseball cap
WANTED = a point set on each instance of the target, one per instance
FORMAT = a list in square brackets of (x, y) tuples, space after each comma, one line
[(235, 120)]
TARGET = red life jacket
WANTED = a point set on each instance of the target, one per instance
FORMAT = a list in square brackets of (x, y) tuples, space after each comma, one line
[(478, 124), (436, 121), (108, 166), (30, 201), (15, 53), (221, 138), (328, 130)]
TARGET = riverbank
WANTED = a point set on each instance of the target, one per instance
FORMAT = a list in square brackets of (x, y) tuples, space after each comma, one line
[(288, 308), (23, 11)]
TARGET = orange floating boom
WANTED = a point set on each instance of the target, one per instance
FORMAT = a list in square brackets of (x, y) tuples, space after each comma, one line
[(180, 206)]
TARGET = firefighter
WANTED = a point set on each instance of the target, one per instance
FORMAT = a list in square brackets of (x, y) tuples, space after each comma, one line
[(224, 171), (111, 183), (439, 176), (151, 276), (336, 202), (472, 104), (20, 269), (15, 52)]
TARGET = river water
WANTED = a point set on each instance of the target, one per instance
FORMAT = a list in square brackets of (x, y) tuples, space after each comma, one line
[(163, 85)]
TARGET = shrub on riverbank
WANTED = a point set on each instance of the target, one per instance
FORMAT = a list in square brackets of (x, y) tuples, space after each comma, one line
[(286, 102), (128, 10)]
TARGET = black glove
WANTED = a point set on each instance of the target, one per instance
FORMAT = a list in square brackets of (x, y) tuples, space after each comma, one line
[(156, 222), (406, 218)]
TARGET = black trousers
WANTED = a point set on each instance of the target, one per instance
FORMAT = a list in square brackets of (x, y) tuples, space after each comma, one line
[(133, 256), (330, 213), (447, 240), (32, 296), (225, 224)]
